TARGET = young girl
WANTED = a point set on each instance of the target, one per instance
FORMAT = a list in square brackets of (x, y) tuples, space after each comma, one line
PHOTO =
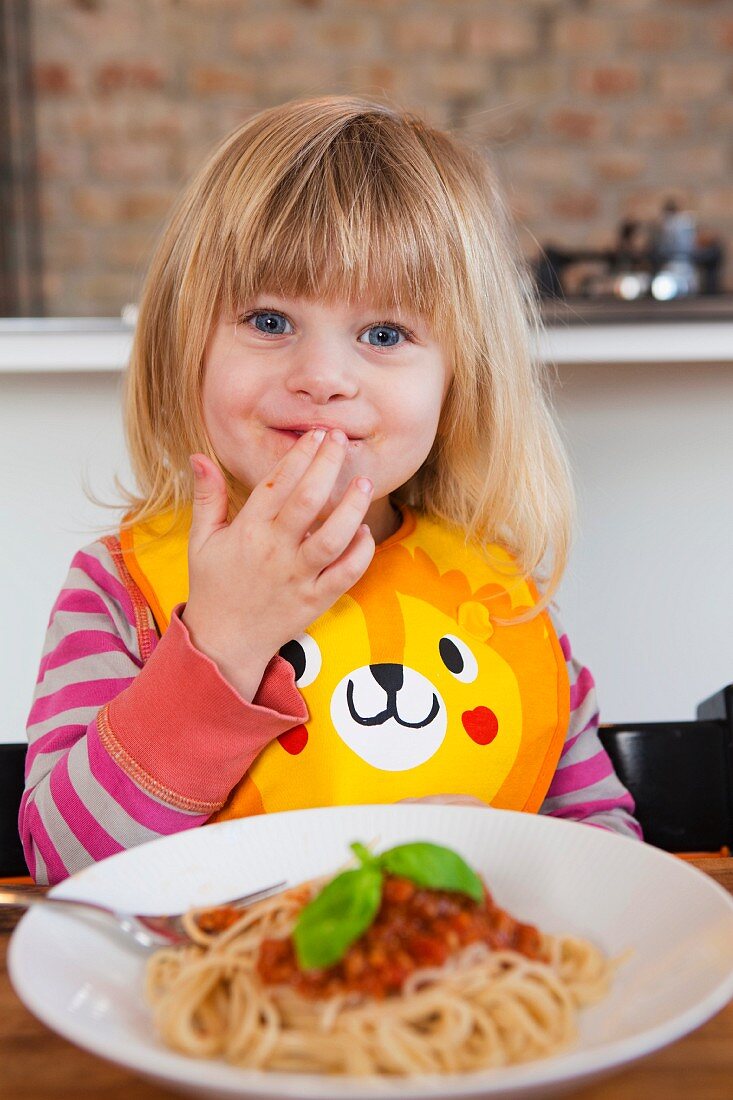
[(348, 477)]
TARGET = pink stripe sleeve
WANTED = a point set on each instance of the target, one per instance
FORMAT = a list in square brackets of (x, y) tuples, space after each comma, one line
[(574, 777), (580, 810), (164, 733), (35, 833), (106, 582), (137, 803), (69, 819), (89, 693), (82, 643), (585, 783), (85, 827), (26, 837), (580, 689), (591, 724), (60, 738), (79, 601)]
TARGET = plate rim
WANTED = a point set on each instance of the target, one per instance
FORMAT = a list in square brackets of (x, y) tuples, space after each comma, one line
[(571, 1067), (540, 821)]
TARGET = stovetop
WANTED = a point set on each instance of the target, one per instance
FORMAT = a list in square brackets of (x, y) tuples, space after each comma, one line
[(579, 311)]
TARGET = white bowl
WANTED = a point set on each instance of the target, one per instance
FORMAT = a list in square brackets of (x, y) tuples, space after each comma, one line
[(564, 877)]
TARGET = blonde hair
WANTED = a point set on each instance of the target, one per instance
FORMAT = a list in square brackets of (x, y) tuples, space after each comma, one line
[(341, 198)]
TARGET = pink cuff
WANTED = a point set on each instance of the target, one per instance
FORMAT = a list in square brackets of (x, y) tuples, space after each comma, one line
[(182, 731)]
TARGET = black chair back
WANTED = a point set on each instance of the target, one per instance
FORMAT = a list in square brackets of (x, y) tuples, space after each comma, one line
[(681, 777), (12, 765)]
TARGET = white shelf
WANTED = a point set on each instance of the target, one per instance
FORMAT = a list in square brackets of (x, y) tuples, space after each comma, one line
[(29, 346), (650, 342), (63, 345)]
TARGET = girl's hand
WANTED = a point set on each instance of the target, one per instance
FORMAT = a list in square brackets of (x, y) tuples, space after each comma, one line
[(259, 581), (450, 800)]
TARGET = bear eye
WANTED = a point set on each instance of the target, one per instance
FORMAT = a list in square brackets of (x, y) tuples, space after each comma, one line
[(305, 657), (458, 658)]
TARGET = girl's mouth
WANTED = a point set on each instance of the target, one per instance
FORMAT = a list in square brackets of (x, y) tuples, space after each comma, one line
[(289, 433), (295, 433)]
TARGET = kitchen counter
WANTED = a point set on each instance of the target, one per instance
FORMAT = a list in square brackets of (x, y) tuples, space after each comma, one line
[(580, 333), (580, 311)]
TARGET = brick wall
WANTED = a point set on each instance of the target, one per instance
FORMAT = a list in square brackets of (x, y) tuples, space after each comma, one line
[(592, 109)]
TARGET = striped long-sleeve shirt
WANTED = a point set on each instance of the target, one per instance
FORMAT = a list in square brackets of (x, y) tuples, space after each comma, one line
[(132, 736)]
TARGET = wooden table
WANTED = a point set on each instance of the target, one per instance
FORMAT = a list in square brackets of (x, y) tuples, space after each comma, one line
[(36, 1064)]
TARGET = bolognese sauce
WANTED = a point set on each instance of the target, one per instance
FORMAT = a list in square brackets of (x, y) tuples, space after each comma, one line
[(414, 928)]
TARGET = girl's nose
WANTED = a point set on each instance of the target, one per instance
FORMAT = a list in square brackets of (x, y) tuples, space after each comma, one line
[(323, 372)]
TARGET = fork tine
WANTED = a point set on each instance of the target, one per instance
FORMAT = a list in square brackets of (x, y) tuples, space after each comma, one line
[(146, 930), (257, 895)]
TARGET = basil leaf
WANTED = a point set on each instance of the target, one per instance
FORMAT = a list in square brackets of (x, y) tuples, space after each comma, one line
[(433, 866), (362, 853), (328, 925)]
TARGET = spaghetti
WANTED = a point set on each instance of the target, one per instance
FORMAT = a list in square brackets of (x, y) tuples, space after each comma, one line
[(484, 1006)]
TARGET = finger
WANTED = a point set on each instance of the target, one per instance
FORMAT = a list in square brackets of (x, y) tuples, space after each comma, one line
[(343, 574), (433, 798), (335, 534), (459, 800), (268, 495), (449, 800), (307, 499), (210, 501)]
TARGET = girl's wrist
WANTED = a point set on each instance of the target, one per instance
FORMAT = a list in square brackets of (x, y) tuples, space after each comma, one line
[(242, 669)]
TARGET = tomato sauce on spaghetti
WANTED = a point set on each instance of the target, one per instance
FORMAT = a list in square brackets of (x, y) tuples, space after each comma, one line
[(414, 928)]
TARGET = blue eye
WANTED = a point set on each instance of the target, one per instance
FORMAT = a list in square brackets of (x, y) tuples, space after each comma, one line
[(269, 322), (384, 336)]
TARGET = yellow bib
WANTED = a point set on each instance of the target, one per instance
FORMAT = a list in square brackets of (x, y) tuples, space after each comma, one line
[(411, 685)]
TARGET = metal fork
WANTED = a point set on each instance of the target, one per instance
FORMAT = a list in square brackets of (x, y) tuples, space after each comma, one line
[(164, 930)]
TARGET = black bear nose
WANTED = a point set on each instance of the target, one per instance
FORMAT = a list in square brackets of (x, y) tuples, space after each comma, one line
[(389, 677)]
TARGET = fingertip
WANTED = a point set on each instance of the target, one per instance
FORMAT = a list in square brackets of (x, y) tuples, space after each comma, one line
[(197, 465), (210, 499)]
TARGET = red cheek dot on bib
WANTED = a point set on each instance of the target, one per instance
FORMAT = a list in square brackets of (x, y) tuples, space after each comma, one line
[(295, 740), (481, 725)]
